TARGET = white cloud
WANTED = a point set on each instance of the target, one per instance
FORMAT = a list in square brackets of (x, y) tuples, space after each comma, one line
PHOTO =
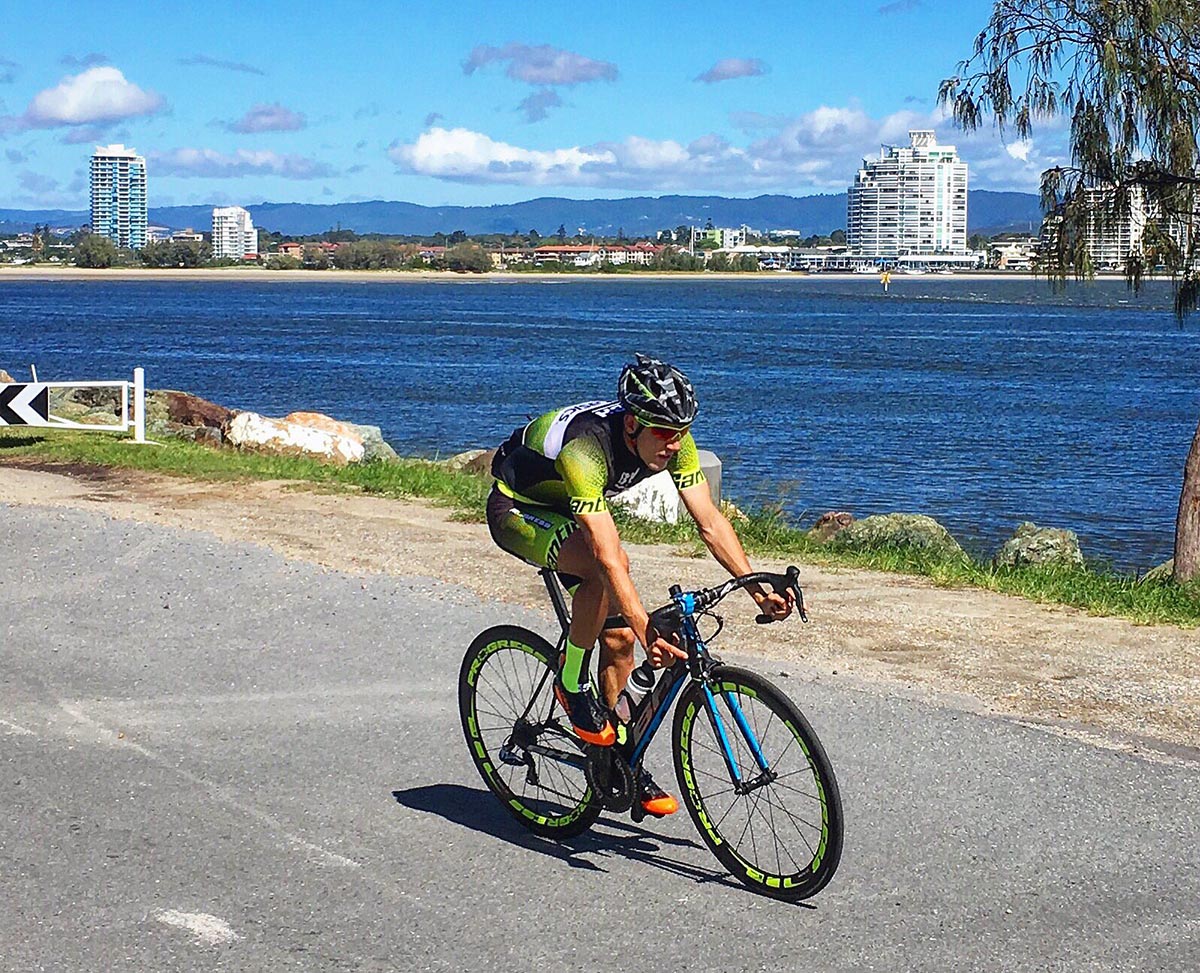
[(268, 118), (819, 151), (204, 61), (733, 67), (99, 95), (1019, 150), (541, 64), (462, 155), (537, 105), (242, 162)]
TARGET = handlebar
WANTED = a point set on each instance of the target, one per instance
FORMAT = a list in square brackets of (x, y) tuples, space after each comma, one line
[(667, 618)]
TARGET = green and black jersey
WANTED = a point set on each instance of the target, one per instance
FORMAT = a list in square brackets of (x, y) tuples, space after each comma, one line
[(572, 460)]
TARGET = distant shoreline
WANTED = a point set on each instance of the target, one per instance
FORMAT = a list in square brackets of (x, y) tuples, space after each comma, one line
[(262, 275)]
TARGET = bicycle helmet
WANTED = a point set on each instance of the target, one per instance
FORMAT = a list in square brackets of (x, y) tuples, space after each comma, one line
[(657, 394)]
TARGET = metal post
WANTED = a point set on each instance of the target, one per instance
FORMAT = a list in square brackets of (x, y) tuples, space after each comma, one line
[(139, 405)]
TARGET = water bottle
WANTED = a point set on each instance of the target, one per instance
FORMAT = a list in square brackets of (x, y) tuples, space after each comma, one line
[(641, 681)]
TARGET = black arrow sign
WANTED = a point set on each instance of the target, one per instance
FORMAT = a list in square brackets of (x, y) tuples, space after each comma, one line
[(24, 405)]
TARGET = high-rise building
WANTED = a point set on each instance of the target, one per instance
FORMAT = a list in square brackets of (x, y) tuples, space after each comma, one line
[(909, 201), (233, 233), (119, 207)]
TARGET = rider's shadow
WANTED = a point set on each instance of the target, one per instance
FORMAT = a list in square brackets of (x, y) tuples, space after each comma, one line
[(474, 808)]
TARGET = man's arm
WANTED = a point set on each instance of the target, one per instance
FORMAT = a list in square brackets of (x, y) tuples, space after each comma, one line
[(605, 544), (722, 540)]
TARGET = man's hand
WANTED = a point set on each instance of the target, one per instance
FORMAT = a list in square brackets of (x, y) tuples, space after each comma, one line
[(661, 652), (775, 606)]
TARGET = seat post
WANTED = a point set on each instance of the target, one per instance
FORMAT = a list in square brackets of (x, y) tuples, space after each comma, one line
[(557, 597)]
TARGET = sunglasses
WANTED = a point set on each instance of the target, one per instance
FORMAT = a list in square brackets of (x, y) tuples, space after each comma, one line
[(667, 436)]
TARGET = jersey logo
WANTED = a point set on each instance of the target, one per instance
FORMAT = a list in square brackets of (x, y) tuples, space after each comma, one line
[(690, 479), (582, 506), (553, 443)]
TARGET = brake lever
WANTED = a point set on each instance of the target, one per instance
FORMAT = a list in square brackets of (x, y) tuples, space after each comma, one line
[(789, 583)]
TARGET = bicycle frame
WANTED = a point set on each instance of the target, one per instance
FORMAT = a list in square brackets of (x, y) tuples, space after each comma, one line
[(654, 708)]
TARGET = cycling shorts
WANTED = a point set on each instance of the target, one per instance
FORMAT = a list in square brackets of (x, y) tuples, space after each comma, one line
[(532, 533)]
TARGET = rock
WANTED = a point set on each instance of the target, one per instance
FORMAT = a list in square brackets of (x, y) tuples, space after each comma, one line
[(1164, 572), (1034, 545), (105, 397), (478, 461), (160, 428), (912, 531), (63, 408), (318, 420), (829, 525), (733, 513), (375, 447), (5, 378), (654, 498), (99, 417), (249, 430), (185, 409)]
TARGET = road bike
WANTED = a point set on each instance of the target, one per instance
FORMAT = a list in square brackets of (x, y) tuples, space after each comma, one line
[(755, 778)]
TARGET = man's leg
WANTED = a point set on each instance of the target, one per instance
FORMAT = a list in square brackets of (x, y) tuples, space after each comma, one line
[(616, 661)]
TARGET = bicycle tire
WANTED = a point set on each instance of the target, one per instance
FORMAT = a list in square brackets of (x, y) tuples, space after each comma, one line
[(500, 672), (742, 830)]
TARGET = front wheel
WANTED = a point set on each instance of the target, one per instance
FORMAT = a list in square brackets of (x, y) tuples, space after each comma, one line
[(758, 784), (522, 744)]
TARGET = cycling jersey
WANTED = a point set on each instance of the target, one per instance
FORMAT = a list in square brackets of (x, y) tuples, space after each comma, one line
[(572, 460)]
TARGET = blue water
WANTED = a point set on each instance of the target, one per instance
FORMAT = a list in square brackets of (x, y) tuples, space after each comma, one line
[(979, 403)]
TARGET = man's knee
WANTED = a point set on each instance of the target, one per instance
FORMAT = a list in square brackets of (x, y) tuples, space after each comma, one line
[(619, 641)]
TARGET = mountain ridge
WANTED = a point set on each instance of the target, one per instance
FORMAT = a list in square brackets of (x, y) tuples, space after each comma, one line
[(987, 211)]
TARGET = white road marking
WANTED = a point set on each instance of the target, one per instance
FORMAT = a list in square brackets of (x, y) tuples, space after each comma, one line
[(112, 737), (210, 930), (14, 729)]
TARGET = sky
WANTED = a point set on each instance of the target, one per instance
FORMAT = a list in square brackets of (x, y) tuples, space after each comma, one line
[(474, 103)]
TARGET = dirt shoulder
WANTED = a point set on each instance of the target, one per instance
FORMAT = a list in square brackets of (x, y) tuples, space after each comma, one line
[(1101, 679)]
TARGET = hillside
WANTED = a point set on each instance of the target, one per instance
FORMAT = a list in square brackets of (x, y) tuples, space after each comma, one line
[(988, 212)]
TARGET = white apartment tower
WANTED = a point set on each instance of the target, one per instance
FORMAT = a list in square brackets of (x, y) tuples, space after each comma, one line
[(909, 201), (119, 207), (233, 233)]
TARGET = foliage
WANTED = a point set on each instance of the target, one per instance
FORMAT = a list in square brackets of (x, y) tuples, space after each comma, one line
[(1126, 73), (95, 251), (468, 258), (175, 253)]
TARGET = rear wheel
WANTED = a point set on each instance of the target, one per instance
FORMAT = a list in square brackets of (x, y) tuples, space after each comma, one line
[(778, 829), (519, 738)]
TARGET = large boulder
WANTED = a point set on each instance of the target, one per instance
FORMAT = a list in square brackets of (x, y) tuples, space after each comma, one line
[(1164, 572), (911, 531), (375, 447), (318, 420), (185, 409), (249, 430), (654, 498), (371, 437), (829, 525), (1033, 545), (478, 461), (5, 378)]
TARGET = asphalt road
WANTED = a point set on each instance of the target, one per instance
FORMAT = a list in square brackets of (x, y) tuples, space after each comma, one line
[(212, 758)]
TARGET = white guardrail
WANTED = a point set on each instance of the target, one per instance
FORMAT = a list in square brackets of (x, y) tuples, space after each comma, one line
[(28, 404)]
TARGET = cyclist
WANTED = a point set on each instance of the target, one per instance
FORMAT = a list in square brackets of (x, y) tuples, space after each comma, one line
[(549, 508)]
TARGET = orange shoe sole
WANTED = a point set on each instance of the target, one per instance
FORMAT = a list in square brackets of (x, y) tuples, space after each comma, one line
[(605, 738), (660, 807)]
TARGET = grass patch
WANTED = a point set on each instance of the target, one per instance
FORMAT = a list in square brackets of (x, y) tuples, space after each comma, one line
[(764, 532)]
